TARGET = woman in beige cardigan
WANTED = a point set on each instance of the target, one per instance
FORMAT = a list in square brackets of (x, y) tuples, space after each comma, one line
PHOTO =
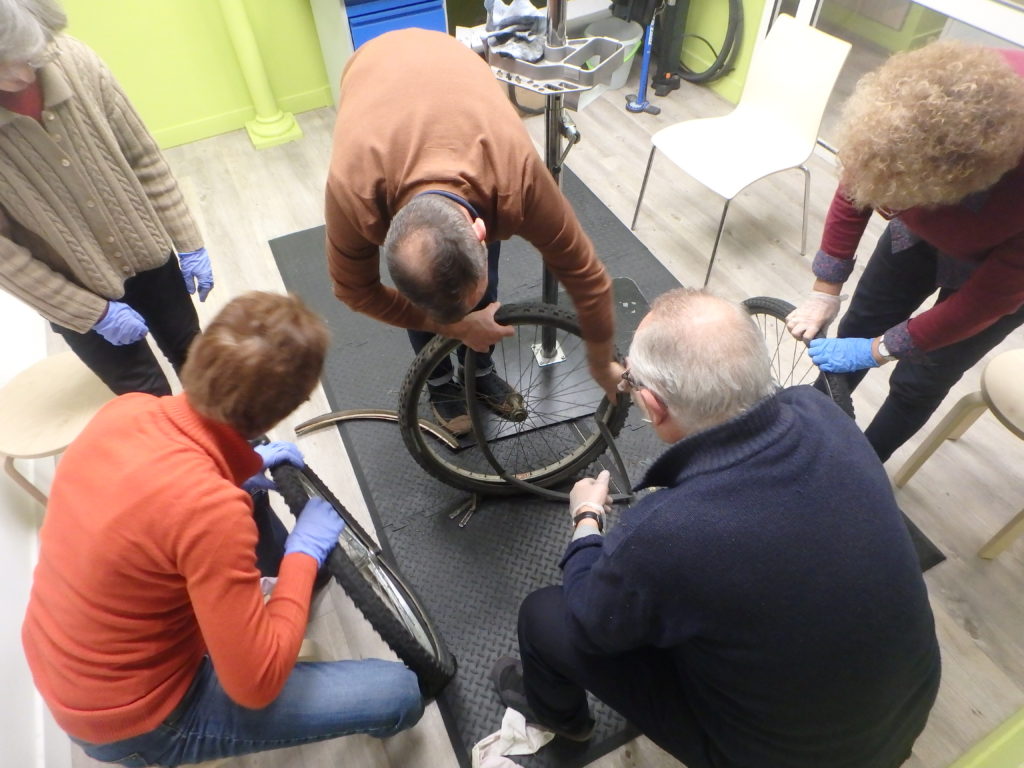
[(90, 215)]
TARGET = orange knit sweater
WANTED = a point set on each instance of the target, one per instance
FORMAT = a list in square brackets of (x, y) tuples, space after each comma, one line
[(146, 564)]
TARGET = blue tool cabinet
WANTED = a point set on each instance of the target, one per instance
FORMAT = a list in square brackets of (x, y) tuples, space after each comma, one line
[(369, 18)]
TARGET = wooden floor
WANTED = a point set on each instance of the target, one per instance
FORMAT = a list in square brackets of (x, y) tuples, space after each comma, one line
[(966, 492)]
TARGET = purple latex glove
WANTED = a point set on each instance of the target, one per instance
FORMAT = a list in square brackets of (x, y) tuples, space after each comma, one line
[(316, 531), (841, 355), (121, 324), (196, 269), (273, 454)]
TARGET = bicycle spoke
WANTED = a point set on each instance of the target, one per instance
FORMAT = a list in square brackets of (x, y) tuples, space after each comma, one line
[(558, 396)]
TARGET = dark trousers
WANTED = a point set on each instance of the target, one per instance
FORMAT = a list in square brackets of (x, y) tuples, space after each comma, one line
[(891, 289), (643, 686), (271, 535), (420, 339), (158, 295)]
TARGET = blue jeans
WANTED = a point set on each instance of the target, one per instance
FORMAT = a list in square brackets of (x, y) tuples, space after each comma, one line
[(321, 700)]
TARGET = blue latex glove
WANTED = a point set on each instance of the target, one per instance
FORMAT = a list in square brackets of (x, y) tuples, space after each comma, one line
[(316, 531), (121, 324), (196, 269), (841, 355), (273, 454)]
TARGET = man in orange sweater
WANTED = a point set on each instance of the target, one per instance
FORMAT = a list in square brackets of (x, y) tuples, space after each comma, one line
[(432, 168), (146, 632)]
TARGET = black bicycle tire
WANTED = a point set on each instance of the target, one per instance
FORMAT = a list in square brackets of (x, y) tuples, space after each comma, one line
[(527, 313), (835, 384), (433, 669)]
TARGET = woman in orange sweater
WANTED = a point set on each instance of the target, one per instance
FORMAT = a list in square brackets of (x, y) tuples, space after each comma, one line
[(146, 631)]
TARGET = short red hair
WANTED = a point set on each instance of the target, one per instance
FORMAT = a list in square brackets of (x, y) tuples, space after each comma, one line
[(257, 361)]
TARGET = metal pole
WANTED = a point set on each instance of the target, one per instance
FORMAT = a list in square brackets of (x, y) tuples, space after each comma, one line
[(552, 155)]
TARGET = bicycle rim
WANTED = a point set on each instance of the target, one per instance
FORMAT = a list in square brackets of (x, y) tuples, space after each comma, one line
[(790, 364), (385, 600), (557, 438), (365, 557)]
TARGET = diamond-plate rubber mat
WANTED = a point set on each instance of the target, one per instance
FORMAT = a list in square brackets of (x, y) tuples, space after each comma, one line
[(472, 579)]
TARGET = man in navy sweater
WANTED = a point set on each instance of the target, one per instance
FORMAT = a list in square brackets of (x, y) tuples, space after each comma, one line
[(764, 608)]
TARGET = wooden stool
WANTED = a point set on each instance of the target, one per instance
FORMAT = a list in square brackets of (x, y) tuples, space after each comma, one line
[(1002, 392), (43, 409)]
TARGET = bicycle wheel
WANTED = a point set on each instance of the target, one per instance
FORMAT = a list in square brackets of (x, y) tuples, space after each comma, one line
[(559, 435), (374, 585), (790, 363)]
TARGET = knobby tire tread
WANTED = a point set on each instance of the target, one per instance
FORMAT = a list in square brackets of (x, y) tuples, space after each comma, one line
[(434, 672), (526, 313)]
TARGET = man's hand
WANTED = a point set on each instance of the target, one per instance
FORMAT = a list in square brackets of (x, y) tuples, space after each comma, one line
[(478, 330), (605, 370), (842, 355), (608, 375), (591, 492)]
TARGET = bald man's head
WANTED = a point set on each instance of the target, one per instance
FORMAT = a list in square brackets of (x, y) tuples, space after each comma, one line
[(703, 356), (436, 257)]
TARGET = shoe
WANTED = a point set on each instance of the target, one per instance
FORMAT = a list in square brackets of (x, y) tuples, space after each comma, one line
[(507, 677), (498, 396), (448, 402)]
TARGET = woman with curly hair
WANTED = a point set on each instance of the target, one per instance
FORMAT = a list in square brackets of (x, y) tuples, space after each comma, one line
[(933, 140)]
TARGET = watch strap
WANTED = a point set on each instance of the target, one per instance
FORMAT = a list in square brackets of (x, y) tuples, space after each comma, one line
[(883, 349), (589, 514)]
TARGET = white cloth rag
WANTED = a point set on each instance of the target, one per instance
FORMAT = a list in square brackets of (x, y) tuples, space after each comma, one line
[(514, 738)]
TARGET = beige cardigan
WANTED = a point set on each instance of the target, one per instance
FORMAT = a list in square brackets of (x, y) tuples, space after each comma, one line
[(86, 198)]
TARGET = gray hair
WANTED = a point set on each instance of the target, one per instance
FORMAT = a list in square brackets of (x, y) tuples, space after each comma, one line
[(27, 27), (702, 356), (434, 256)]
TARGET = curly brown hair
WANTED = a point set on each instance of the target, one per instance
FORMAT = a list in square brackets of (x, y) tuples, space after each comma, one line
[(931, 126), (256, 362)]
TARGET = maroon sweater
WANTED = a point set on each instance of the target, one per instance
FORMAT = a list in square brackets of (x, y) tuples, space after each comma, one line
[(984, 233)]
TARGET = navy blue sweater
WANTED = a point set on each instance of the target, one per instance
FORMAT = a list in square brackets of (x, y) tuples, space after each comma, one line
[(775, 566)]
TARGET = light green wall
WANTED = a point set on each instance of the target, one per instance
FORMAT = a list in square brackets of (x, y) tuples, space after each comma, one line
[(175, 60), (708, 18), (921, 26)]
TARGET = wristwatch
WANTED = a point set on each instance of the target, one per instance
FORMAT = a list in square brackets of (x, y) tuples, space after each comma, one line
[(883, 350), (589, 514)]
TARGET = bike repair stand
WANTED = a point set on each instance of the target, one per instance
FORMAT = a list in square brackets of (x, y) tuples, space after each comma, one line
[(567, 70)]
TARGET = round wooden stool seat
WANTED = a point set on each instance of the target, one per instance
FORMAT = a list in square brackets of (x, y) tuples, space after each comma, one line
[(44, 408), (1002, 386), (1002, 393)]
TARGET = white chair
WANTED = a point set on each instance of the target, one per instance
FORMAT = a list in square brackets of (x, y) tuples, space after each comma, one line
[(773, 128)]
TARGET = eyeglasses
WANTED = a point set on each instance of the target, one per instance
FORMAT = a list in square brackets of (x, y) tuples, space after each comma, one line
[(630, 382)]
